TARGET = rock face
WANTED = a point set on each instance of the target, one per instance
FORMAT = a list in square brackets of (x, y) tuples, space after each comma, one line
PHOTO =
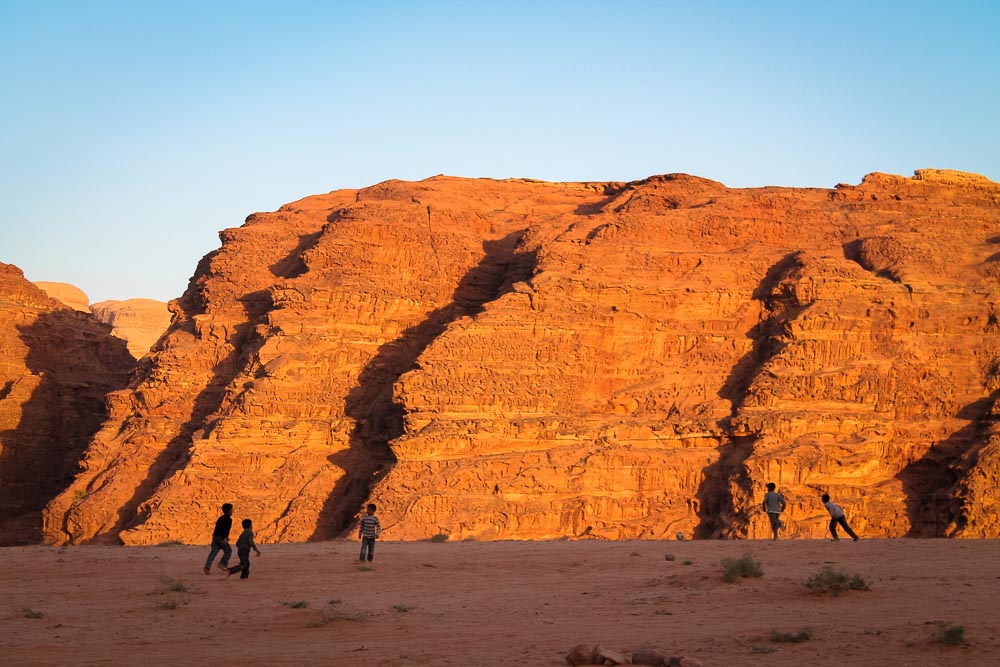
[(523, 360), (56, 366), (139, 322), (67, 294)]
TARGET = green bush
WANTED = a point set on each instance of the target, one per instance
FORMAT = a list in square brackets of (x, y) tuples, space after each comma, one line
[(948, 633), (828, 580), (802, 635), (746, 565)]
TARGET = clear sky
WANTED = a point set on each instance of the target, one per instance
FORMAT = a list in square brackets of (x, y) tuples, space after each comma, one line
[(132, 132)]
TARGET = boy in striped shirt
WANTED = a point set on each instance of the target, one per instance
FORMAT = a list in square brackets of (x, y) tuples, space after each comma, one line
[(368, 530)]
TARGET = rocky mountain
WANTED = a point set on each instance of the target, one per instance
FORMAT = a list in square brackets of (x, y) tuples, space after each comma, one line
[(139, 322), (69, 295), (523, 360), (56, 367)]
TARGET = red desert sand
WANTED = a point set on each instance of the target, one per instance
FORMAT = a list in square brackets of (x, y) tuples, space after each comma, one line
[(502, 603)]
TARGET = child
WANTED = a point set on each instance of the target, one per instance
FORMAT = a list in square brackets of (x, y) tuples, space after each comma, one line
[(220, 539), (837, 516), (243, 546), (368, 530), (774, 504)]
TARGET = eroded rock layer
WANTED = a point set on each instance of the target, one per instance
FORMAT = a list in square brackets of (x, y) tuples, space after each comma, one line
[(56, 366), (519, 359)]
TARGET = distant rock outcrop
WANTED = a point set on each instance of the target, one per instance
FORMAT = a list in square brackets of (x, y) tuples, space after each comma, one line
[(139, 322), (56, 367), (70, 295), (518, 359)]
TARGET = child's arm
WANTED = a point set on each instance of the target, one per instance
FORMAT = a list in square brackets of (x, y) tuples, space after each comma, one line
[(253, 545), (378, 528)]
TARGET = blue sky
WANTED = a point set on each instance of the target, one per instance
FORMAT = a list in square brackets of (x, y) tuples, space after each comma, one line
[(132, 132)]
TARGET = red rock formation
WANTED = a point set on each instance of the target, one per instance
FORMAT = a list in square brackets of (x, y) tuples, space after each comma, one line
[(139, 322), (56, 365), (67, 294), (519, 359)]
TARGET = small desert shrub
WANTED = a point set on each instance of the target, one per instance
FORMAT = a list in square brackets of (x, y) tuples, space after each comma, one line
[(79, 494), (802, 635), (440, 537), (950, 634), (689, 562), (402, 608), (171, 543), (174, 585), (298, 604), (334, 612), (31, 613), (167, 604), (746, 565), (829, 580)]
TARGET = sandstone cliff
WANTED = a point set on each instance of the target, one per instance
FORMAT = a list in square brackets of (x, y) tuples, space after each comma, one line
[(519, 359), (56, 366), (67, 294), (139, 322)]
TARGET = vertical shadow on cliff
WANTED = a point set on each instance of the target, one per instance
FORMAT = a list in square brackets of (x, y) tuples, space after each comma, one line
[(718, 514), (77, 362), (930, 482), (209, 400), (370, 403)]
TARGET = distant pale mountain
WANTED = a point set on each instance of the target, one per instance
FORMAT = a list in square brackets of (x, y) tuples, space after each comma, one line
[(71, 295), (139, 322)]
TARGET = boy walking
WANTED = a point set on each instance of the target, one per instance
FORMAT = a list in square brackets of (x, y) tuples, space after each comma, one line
[(774, 504), (837, 516), (220, 539), (368, 530), (243, 546)]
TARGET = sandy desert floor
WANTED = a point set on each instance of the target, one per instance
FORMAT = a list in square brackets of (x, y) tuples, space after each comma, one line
[(503, 603)]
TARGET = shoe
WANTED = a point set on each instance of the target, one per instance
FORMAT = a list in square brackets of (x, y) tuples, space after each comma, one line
[(856, 539), (224, 568), (207, 571)]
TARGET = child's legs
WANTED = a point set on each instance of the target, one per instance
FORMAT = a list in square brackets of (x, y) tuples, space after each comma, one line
[(833, 528), (843, 522), (227, 551), (244, 565), (212, 554), (367, 546)]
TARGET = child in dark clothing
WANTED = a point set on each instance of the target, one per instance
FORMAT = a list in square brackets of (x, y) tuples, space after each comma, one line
[(243, 546), (220, 539), (837, 516)]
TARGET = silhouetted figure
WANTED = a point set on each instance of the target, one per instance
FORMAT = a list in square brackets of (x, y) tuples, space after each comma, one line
[(837, 516), (774, 504), (368, 530), (244, 543), (220, 539)]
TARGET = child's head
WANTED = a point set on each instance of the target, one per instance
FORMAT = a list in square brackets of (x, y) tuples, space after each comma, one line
[(247, 523), (770, 486), (371, 508), (227, 509), (826, 497)]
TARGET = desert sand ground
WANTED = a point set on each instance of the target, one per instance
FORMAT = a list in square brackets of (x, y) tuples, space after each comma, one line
[(502, 603)]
